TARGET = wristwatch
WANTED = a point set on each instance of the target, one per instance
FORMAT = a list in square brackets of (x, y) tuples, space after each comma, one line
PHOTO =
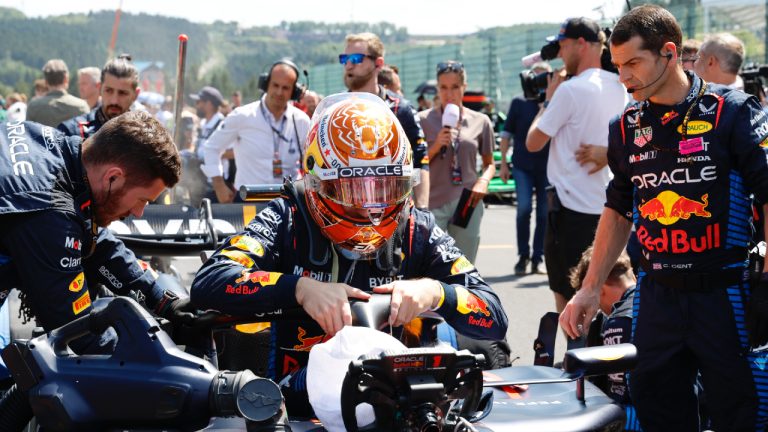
[(545, 104)]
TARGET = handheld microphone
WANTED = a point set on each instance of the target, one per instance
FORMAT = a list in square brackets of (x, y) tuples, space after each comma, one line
[(669, 57), (451, 116)]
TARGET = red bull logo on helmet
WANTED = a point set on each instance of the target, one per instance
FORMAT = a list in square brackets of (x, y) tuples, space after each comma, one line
[(668, 207), (468, 303)]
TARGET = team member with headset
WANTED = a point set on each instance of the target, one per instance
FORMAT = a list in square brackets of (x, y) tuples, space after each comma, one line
[(267, 135), (688, 159)]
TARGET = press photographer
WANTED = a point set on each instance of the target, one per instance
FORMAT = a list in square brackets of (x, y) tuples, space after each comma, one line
[(534, 83), (575, 115)]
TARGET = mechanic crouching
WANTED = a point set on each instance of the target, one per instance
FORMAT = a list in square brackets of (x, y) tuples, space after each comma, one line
[(56, 195), (347, 229)]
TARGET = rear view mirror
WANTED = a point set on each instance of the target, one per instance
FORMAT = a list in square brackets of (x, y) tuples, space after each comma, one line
[(602, 360)]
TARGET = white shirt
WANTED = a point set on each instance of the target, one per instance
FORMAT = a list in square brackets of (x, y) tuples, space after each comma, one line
[(737, 84), (579, 113), (206, 130), (249, 130)]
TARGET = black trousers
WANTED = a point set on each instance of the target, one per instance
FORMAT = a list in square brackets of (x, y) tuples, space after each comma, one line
[(679, 332)]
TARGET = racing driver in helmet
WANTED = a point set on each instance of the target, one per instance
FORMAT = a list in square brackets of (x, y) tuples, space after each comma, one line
[(346, 230)]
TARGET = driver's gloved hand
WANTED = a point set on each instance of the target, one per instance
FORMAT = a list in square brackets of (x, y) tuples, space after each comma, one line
[(757, 312), (175, 309)]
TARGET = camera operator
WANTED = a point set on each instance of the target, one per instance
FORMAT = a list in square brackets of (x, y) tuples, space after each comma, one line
[(576, 167), (719, 60)]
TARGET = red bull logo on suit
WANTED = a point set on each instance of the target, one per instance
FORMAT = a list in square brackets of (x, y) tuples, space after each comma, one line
[(668, 207)]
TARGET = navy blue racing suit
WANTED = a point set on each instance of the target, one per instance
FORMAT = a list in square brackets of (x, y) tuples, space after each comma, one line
[(84, 125), (689, 200), (256, 272), (616, 329), (46, 242)]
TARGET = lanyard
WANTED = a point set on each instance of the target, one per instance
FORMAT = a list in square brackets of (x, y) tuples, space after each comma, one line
[(684, 130), (277, 135), (683, 126)]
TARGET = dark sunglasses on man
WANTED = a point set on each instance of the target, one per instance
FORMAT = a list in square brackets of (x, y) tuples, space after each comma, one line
[(449, 66), (690, 59), (356, 58)]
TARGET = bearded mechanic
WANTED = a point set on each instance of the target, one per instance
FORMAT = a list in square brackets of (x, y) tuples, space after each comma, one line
[(685, 158), (119, 89), (347, 229), (56, 193)]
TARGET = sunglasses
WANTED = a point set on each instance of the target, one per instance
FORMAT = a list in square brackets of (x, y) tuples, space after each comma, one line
[(450, 66), (354, 58)]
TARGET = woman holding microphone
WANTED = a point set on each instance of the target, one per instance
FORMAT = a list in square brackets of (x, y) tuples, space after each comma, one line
[(456, 136)]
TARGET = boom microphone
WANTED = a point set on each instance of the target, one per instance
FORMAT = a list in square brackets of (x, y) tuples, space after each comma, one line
[(632, 90)]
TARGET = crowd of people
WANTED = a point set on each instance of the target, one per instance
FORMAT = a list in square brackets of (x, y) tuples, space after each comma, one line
[(642, 182)]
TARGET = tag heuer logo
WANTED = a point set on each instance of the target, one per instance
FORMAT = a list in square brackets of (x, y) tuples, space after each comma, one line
[(643, 136)]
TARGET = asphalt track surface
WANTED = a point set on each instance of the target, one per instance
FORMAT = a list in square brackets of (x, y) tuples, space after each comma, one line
[(525, 298)]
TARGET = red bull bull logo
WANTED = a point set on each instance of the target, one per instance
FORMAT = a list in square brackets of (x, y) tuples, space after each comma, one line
[(262, 278), (467, 303), (668, 117), (306, 342), (669, 207)]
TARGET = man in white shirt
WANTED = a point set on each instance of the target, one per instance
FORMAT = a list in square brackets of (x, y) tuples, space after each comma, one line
[(575, 116), (267, 135), (719, 60)]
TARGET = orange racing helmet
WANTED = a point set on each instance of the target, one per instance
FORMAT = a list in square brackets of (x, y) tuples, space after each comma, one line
[(358, 171)]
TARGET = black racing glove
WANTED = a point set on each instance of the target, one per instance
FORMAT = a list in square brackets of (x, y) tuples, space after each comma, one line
[(175, 309), (757, 312)]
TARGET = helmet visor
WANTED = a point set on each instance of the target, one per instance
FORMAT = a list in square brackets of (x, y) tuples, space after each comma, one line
[(366, 192)]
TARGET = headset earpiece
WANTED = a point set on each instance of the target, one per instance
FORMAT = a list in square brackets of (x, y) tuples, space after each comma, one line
[(264, 78)]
